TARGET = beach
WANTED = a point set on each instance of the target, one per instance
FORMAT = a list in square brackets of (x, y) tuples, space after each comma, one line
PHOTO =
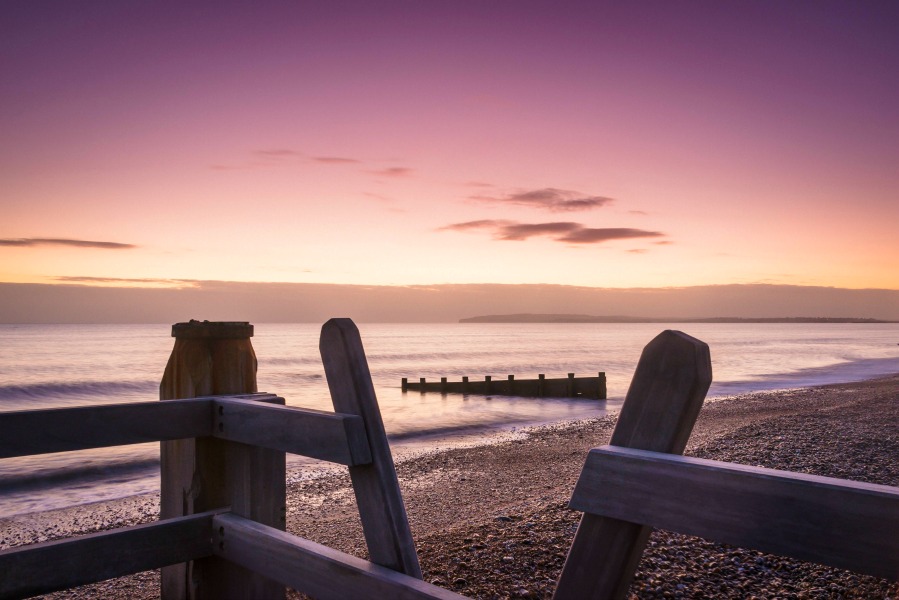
[(491, 520)]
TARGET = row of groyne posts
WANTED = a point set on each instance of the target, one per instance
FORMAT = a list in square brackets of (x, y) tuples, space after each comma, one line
[(562, 387)]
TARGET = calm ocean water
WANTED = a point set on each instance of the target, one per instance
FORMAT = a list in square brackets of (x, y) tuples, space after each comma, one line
[(44, 366)]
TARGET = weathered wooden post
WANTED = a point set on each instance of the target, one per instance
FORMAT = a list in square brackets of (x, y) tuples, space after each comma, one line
[(200, 474), (443, 385), (487, 384), (404, 385), (603, 391), (511, 385), (541, 385), (569, 385), (381, 508), (658, 414), (465, 384)]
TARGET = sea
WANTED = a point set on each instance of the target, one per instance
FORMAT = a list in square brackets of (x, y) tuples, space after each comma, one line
[(51, 366)]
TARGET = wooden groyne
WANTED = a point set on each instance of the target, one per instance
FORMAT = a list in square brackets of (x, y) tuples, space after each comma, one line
[(563, 387)]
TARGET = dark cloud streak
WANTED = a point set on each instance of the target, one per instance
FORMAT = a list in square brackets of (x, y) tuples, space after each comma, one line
[(393, 172), (335, 160), (551, 199), (560, 231), (523, 231), (590, 235), (31, 242), (278, 152)]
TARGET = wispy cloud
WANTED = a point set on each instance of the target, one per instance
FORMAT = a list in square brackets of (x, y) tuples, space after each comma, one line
[(393, 172), (551, 199), (31, 242), (125, 282), (590, 235), (479, 184), (482, 224), (336, 160), (523, 231), (277, 152), (559, 231)]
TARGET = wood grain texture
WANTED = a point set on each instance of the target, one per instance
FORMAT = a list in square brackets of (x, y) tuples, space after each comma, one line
[(334, 437), (659, 411), (28, 432), (204, 474), (376, 487), (50, 566), (845, 524), (310, 568)]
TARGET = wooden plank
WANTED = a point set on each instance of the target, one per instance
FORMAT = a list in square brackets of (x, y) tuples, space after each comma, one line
[(28, 432), (50, 566), (334, 437), (310, 568), (377, 489), (845, 524), (207, 473), (659, 411)]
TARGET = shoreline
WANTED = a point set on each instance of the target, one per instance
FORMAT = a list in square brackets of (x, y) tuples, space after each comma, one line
[(470, 511)]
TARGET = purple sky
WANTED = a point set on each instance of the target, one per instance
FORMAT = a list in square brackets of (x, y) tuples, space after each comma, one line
[(650, 144)]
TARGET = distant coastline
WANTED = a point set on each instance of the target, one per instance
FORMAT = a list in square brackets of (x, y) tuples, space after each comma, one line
[(566, 318)]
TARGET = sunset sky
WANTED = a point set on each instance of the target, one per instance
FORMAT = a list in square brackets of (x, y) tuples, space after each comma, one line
[(603, 144)]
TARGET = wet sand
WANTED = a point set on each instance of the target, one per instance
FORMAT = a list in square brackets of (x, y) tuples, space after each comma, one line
[(491, 521)]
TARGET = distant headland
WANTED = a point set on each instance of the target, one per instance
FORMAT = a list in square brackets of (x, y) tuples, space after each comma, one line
[(566, 318)]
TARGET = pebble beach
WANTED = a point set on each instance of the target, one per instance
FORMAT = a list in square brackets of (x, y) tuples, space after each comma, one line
[(491, 520)]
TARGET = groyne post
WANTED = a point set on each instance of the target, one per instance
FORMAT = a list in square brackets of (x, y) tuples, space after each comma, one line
[(201, 474)]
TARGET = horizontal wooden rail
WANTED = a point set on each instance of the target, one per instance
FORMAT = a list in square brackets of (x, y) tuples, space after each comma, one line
[(50, 566), (28, 432), (330, 436), (844, 524), (310, 568), (333, 437)]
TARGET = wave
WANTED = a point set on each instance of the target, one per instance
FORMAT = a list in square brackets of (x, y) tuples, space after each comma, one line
[(80, 475), (287, 361), (845, 372), (55, 390)]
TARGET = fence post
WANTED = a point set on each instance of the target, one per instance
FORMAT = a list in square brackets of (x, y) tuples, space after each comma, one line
[(200, 474), (661, 406), (377, 490)]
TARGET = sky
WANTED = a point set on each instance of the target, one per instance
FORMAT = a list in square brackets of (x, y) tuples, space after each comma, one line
[(610, 145)]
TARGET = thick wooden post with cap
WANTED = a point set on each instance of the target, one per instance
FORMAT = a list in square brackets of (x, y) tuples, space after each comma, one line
[(200, 474)]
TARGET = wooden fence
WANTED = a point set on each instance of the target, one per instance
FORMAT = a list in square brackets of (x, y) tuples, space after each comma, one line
[(562, 387), (637, 482), (223, 482)]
